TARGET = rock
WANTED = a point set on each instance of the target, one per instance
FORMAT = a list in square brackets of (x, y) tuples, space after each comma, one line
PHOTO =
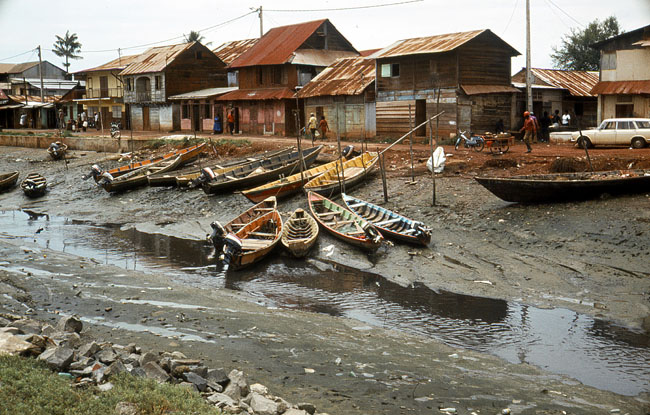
[(13, 345), (115, 368), (35, 339), (179, 371), (262, 405), (183, 362), (126, 408), (105, 387), (98, 373), (11, 330), (69, 339), (188, 385), (139, 372), (88, 349), (27, 326), (259, 388), (220, 400), (147, 357), (106, 355), (132, 348), (154, 371), (308, 407), (200, 383), (238, 386), (217, 376), (133, 359), (178, 356), (70, 324), (48, 330), (80, 363), (57, 358), (215, 386), (294, 411)]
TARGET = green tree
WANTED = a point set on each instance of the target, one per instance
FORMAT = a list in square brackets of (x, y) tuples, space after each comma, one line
[(68, 47), (195, 37), (576, 52)]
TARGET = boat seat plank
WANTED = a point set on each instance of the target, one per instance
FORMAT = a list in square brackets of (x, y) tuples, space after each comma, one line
[(388, 222), (409, 231), (356, 232), (343, 222), (324, 215), (261, 209), (270, 235), (356, 205)]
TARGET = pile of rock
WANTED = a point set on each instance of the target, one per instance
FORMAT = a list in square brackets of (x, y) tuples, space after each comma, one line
[(64, 350)]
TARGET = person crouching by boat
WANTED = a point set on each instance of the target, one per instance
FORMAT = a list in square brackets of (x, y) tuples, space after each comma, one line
[(530, 130)]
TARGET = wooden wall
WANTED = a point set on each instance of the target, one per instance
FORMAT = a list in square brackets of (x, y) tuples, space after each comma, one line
[(249, 76), (419, 72), (482, 62), (187, 73)]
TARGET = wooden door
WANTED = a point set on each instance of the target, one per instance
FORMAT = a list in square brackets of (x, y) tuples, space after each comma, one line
[(253, 119), (145, 119), (105, 118), (268, 118), (420, 117), (196, 118), (103, 86)]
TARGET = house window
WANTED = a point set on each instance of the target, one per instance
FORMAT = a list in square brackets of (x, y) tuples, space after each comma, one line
[(277, 75), (260, 76), (129, 84), (199, 54), (89, 83), (206, 111), (186, 111), (390, 70), (158, 82), (233, 78), (608, 61), (117, 111)]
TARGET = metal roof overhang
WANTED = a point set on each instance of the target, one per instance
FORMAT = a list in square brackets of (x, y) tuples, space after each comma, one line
[(203, 93), (621, 87), (257, 94), (488, 89), (91, 99), (9, 107)]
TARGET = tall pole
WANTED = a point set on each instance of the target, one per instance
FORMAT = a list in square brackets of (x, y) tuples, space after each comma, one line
[(529, 88), (40, 72), (261, 22)]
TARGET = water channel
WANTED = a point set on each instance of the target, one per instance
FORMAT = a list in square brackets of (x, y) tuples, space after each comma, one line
[(595, 352)]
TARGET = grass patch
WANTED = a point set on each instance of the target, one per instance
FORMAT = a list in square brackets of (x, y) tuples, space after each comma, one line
[(26, 134), (190, 141), (28, 387)]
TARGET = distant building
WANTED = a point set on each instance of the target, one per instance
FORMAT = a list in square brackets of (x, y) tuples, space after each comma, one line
[(466, 75), (163, 71), (555, 89), (624, 86), (344, 93), (268, 73)]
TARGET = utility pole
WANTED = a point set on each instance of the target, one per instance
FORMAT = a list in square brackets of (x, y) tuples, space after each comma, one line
[(261, 22), (529, 88), (40, 72)]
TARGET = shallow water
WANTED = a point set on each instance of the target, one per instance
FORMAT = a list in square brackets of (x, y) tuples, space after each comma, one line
[(595, 352)]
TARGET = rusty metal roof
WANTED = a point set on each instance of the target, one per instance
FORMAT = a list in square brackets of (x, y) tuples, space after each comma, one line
[(156, 59), (347, 76), (114, 65), (202, 93), (488, 89), (278, 45), (230, 51), (257, 94), (436, 44), (368, 52), (578, 83), (16, 67), (621, 87)]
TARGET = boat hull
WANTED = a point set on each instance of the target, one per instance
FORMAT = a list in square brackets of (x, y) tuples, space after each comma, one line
[(329, 183), (34, 185), (299, 234), (9, 180)]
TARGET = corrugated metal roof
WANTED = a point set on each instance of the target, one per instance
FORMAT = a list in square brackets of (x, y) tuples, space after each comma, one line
[(488, 89), (156, 59), (203, 93), (277, 45), (230, 51), (644, 43), (16, 67), (47, 83), (115, 64), (347, 76), (35, 99), (368, 52), (257, 94), (319, 57), (578, 83), (621, 87), (435, 44)]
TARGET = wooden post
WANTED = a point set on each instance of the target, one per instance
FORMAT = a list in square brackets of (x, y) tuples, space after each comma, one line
[(296, 114), (433, 174), (584, 143), (411, 144), (382, 168), (342, 173)]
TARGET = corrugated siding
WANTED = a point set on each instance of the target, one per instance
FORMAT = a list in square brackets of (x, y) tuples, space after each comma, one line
[(393, 117)]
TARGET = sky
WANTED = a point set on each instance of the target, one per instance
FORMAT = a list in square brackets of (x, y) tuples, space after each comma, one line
[(104, 26)]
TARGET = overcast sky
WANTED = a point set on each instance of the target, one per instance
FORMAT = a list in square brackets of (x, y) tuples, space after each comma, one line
[(105, 26)]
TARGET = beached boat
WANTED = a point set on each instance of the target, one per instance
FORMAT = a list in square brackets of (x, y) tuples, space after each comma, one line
[(287, 185), (219, 231), (188, 154), (343, 224), (259, 172), (299, 233), (355, 171), (253, 241), (34, 185), (138, 177), (390, 224), (558, 187), (57, 150), (183, 178), (8, 180)]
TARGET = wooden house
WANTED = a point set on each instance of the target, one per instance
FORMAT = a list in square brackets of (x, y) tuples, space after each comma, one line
[(555, 89), (161, 72), (466, 75), (624, 84), (268, 73), (105, 91), (229, 51), (344, 93)]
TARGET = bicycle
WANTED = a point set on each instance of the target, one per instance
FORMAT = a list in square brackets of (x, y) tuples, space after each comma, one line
[(115, 130), (475, 142)]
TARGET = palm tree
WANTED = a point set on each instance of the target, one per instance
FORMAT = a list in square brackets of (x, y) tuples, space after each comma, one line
[(195, 37), (67, 46)]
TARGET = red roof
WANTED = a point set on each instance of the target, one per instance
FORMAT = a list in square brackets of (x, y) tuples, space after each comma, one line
[(347, 76), (277, 45), (621, 87), (257, 94)]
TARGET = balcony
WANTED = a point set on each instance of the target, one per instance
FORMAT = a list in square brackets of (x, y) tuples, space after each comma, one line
[(104, 93)]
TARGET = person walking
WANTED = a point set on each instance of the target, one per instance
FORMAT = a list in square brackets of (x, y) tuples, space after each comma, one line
[(97, 121), (313, 126), (216, 127), (530, 130), (231, 122), (545, 124), (324, 127)]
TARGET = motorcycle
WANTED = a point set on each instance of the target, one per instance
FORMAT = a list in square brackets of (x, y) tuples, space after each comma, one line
[(474, 142)]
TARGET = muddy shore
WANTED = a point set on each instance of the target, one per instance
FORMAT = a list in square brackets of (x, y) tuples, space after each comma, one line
[(588, 257)]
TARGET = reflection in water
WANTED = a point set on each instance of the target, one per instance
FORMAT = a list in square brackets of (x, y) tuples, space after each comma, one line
[(595, 352)]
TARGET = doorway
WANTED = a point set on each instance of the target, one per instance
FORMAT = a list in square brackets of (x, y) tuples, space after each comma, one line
[(145, 119), (196, 118), (624, 110)]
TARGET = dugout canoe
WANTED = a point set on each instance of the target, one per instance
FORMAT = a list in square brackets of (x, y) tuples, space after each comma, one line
[(34, 185), (355, 171), (8, 180), (299, 233)]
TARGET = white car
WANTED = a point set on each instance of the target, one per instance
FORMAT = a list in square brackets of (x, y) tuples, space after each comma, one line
[(629, 132)]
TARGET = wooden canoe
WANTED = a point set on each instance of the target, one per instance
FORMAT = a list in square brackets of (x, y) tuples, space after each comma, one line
[(355, 171), (183, 178), (559, 187), (260, 172), (287, 185), (34, 185), (253, 241), (299, 233), (390, 224), (343, 224), (8, 180), (139, 177), (57, 150), (188, 154)]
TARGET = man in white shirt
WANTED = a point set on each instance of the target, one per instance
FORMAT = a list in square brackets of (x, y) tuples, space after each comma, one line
[(566, 118)]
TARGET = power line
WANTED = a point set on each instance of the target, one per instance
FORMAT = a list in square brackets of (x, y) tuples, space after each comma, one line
[(559, 17), (20, 54), (345, 8), (568, 15), (511, 15)]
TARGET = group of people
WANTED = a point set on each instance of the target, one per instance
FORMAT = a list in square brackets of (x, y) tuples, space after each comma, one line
[(541, 128), (230, 119), (317, 129)]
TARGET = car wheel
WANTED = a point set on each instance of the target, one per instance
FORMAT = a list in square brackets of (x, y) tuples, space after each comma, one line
[(584, 141), (638, 142)]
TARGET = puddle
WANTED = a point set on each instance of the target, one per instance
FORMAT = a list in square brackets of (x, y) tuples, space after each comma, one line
[(595, 352)]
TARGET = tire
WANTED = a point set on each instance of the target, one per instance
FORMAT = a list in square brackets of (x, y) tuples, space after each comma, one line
[(479, 145), (582, 141), (638, 142)]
